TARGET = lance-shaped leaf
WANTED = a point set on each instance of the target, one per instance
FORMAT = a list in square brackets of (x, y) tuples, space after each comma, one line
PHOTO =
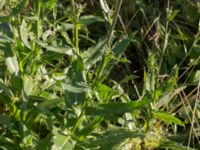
[(116, 108), (75, 84), (168, 144), (90, 126), (87, 20), (167, 118), (112, 138), (108, 61), (24, 34), (13, 67), (94, 54), (63, 50)]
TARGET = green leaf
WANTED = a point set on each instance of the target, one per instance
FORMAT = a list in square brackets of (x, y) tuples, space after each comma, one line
[(75, 80), (89, 19), (167, 144), (65, 27), (5, 18), (24, 34), (48, 104), (116, 108), (75, 84), (196, 78), (90, 127), (50, 56), (38, 116), (121, 45), (128, 78), (111, 138), (17, 10), (167, 118), (62, 50), (74, 98), (5, 92), (76, 72), (5, 39), (6, 30), (191, 11), (11, 61), (105, 93), (50, 4), (28, 84), (12, 65), (62, 142), (16, 82), (172, 14), (7, 143), (93, 54), (109, 62), (58, 76), (45, 144), (75, 88), (5, 121)]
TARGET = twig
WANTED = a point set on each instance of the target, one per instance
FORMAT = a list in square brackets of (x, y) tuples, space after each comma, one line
[(118, 7)]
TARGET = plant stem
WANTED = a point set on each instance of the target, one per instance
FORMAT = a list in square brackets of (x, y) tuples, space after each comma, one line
[(102, 64), (118, 7), (162, 55), (37, 8), (76, 28), (76, 37), (197, 38)]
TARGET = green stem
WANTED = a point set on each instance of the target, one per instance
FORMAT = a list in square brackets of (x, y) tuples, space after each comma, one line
[(162, 57), (100, 70), (197, 38), (37, 8), (76, 38), (76, 28), (80, 117), (102, 65)]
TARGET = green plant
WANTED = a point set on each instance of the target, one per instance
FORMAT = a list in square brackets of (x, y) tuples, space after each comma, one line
[(63, 86)]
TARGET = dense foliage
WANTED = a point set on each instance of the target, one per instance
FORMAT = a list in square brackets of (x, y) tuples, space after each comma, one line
[(99, 74)]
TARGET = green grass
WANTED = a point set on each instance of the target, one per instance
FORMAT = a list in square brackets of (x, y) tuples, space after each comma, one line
[(101, 74)]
